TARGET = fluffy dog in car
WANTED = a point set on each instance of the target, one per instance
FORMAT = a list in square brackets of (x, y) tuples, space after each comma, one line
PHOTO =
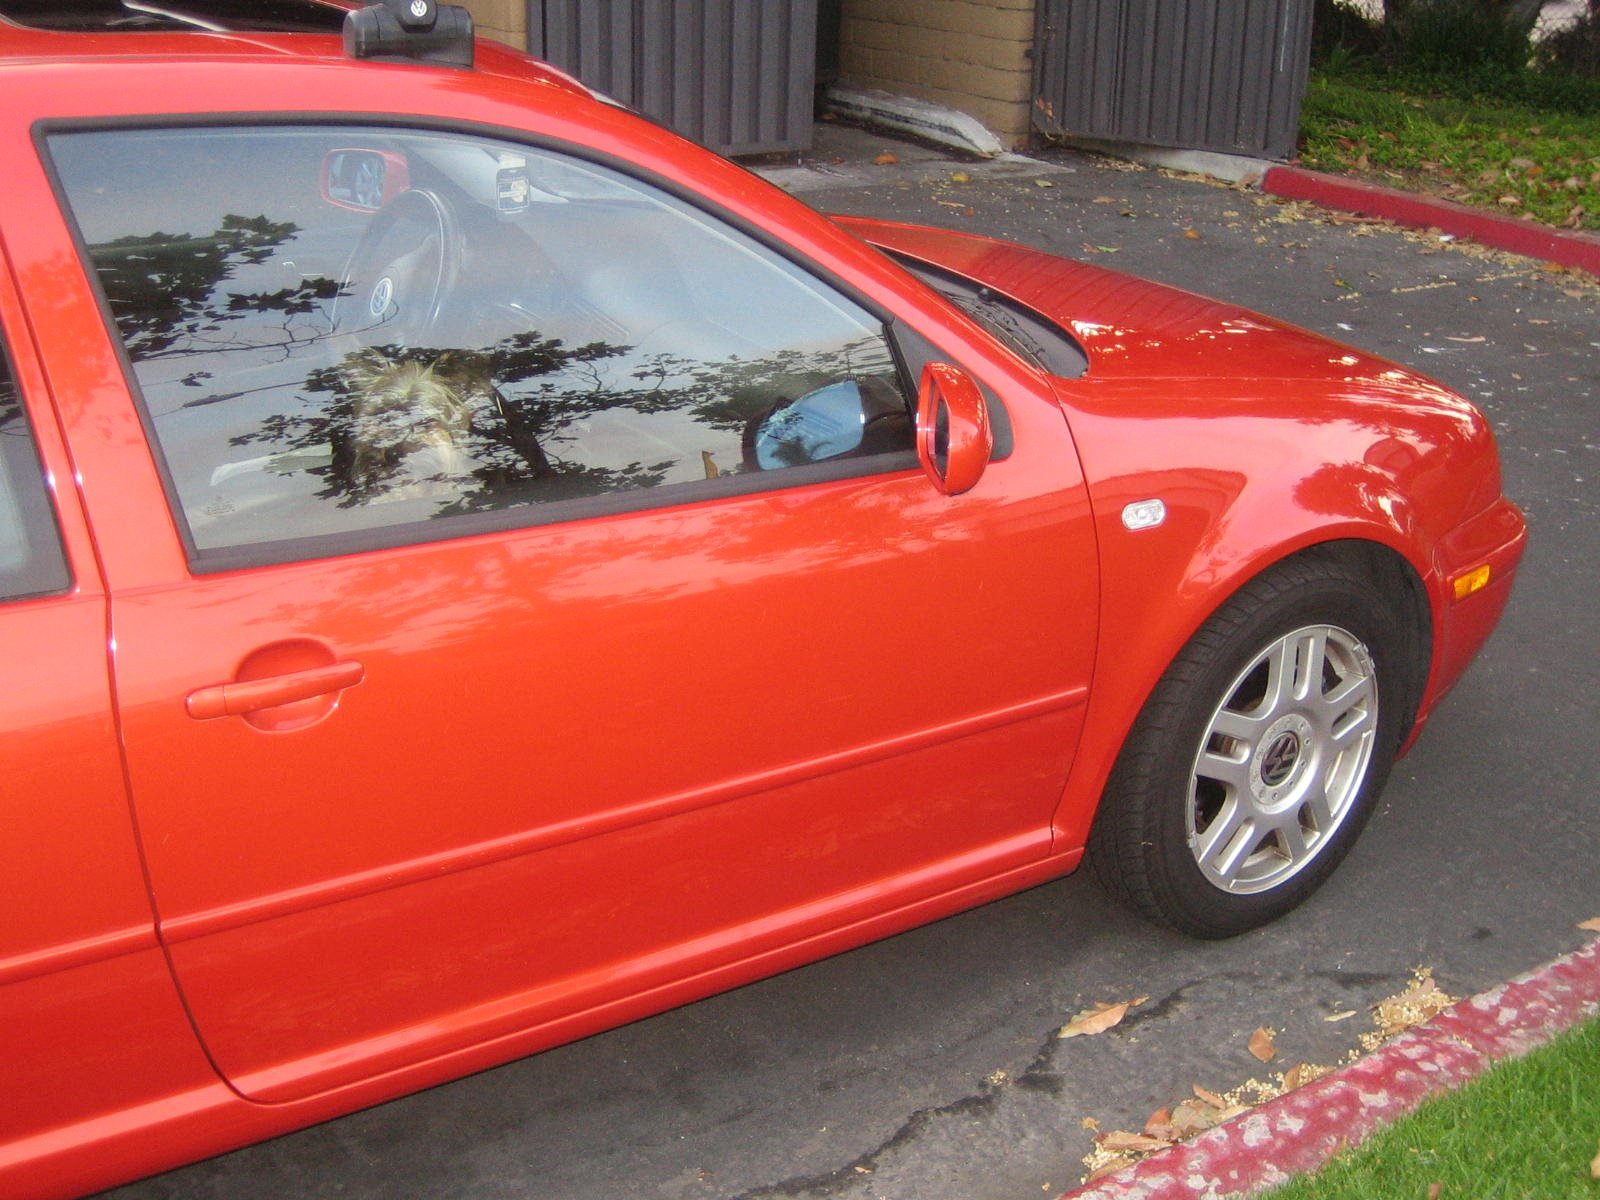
[(409, 423)]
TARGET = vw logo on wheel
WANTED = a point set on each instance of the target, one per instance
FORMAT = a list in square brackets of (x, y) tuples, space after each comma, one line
[(1278, 763)]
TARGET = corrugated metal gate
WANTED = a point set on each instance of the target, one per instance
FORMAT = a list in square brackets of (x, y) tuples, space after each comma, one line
[(1222, 75), (734, 75)]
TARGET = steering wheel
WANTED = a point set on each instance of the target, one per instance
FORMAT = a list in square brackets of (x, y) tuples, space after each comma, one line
[(402, 271)]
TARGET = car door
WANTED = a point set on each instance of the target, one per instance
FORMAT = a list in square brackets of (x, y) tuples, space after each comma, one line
[(90, 1023), (547, 609)]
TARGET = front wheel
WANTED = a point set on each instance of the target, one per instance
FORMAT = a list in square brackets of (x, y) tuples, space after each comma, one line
[(1259, 755)]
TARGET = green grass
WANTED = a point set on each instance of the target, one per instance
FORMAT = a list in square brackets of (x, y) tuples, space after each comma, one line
[(1540, 160), (1526, 1130)]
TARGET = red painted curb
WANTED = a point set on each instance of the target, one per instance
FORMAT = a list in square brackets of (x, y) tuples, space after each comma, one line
[(1298, 1132), (1569, 248)]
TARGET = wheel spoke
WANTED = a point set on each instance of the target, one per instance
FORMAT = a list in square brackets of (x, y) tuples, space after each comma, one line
[(1356, 726), (1309, 655), (1347, 693), (1317, 811), (1243, 727), (1282, 678), (1296, 846), (1225, 769), (1227, 842)]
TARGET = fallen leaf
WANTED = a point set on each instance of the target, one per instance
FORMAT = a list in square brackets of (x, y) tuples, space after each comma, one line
[(1301, 1074), (1339, 1016), (1102, 1163), (1090, 1124), (1189, 1118), (1420, 1002), (960, 177), (1123, 1141), (1160, 1124), (1435, 1190), (1042, 183), (1261, 1045), (1192, 233), (886, 159), (1099, 1018), (1211, 1098), (1592, 925), (1103, 200)]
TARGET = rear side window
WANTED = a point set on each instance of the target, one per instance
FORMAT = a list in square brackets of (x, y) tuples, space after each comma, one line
[(31, 561), (349, 337)]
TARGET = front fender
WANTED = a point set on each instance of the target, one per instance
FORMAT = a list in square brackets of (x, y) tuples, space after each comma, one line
[(1401, 465)]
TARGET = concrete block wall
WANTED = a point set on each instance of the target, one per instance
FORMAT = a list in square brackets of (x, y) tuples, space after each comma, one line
[(972, 55)]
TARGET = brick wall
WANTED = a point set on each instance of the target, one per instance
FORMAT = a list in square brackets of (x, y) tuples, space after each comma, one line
[(503, 20), (969, 54)]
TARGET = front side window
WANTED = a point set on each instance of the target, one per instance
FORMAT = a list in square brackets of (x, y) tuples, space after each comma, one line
[(342, 332), (31, 561)]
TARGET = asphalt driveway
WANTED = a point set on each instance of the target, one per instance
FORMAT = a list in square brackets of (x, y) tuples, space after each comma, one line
[(926, 1067)]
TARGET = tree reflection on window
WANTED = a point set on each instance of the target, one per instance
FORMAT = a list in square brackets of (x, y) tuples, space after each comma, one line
[(612, 341)]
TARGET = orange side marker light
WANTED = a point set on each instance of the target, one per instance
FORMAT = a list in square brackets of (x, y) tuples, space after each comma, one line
[(1473, 581)]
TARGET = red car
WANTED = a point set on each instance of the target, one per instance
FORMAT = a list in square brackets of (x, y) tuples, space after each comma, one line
[(478, 570)]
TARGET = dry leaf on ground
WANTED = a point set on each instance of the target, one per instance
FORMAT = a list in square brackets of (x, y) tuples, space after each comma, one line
[(1189, 1118), (1301, 1074), (1261, 1045), (1592, 925), (1211, 1098), (1420, 1002), (1104, 1162), (1123, 1141), (886, 159), (1099, 1018)]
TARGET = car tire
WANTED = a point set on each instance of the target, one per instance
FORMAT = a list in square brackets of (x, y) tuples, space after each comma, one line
[(1260, 754)]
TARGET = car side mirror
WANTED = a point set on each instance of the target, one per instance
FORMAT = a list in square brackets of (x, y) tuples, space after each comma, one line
[(363, 180), (954, 440)]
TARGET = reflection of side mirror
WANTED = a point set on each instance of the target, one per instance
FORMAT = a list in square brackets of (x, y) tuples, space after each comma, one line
[(954, 440), (363, 180), (823, 424)]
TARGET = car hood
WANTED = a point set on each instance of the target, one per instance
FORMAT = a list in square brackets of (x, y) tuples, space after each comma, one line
[(1128, 327)]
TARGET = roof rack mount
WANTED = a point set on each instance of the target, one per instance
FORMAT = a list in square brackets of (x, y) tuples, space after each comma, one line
[(421, 31)]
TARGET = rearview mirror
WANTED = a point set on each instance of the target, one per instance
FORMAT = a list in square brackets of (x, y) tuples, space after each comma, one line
[(363, 180), (954, 440)]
